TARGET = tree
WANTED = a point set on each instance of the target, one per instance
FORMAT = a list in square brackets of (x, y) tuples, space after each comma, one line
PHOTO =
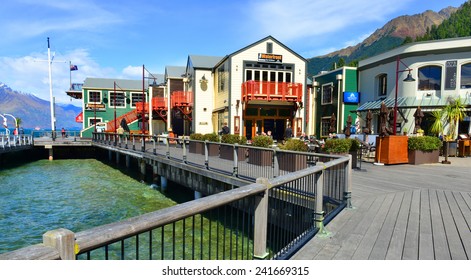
[(449, 116)]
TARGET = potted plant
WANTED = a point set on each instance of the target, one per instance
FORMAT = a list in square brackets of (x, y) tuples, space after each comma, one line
[(261, 157), (423, 149), (213, 147), (227, 151), (292, 161), (195, 146), (337, 146)]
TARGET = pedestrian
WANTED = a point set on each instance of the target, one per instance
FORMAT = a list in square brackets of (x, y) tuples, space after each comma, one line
[(225, 129), (63, 132), (288, 132)]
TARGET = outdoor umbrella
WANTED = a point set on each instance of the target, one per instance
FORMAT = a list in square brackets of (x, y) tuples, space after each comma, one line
[(333, 122), (418, 115)]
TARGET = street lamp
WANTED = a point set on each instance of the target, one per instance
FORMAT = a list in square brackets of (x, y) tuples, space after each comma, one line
[(143, 117), (407, 79)]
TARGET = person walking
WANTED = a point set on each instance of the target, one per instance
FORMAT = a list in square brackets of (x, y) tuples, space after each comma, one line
[(288, 132), (225, 129)]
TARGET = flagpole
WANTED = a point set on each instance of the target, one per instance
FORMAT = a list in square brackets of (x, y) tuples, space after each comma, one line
[(70, 74), (50, 89)]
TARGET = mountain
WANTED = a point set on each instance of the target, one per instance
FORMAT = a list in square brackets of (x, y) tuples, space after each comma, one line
[(391, 35), (35, 112)]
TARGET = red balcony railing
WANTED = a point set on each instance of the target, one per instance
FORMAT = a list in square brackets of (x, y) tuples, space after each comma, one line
[(159, 103), (139, 107), (267, 91), (181, 98)]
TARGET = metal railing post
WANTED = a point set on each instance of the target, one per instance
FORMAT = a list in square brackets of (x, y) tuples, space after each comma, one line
[(347, 196), (235, 169), (319, 214), (167, 153), (133, 143), (185, 160), (154, 149), (143, 144), (63, 240), (261, 221), (206, 154)]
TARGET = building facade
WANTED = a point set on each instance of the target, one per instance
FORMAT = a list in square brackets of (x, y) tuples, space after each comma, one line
[(334, 97), (440, 72)]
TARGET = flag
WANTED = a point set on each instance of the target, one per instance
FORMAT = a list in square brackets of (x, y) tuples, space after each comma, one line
[(73, 67)]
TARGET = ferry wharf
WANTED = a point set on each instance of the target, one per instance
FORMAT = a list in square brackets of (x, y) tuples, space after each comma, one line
[(401, 212)]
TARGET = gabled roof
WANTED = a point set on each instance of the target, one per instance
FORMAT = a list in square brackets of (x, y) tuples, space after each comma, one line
[(174, 71), (203, 61), (106, 83), (159, 78), (266, 39)]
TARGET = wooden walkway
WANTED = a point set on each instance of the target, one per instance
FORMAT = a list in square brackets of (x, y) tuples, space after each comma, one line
[(401, 212)]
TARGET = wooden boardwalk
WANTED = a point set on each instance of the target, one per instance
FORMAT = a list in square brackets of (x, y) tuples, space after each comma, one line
[(401, 212)]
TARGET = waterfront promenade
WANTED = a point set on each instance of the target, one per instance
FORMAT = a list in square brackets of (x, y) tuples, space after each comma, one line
[(406, 212)]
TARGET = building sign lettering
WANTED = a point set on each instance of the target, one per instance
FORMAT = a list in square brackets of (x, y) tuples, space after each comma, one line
[(450, 75), (269, 57)]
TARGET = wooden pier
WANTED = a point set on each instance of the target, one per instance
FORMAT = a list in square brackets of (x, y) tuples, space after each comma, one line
[(401, 212)]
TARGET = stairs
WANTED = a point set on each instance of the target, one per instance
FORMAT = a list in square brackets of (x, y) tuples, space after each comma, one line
[(129, 116)]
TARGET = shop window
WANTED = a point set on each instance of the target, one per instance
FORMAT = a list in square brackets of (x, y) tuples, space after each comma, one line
[(430, 78), (267, 112), (325, 125), (251, 112), (382, 84), (94, 96), (135, 98), (326, 94), (117, 99), (466, 76), (284, 112)]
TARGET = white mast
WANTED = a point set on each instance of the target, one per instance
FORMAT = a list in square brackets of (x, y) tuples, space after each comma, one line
[(49, 61)]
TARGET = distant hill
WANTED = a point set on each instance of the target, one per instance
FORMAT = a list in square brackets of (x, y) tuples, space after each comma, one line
[(35, 112), (391, 35)]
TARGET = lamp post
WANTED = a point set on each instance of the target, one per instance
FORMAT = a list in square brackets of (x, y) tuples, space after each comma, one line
[(339, 78), (144, 95), (16, 122), (407, 79)]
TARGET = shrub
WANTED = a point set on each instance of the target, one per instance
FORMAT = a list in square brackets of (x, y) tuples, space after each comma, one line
[(262, 141), (337, 145), (294, 144), (211, 137), (196, 136), (354, 144), (233, 139), (424, 143)]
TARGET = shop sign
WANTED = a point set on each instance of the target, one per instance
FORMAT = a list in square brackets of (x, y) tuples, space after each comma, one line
[(269, 57)]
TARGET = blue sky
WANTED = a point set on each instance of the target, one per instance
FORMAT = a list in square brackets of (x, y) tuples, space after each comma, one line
[(114, 38)]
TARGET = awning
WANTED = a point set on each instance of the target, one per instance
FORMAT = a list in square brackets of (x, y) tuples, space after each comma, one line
[(79, 118), (407, 102)]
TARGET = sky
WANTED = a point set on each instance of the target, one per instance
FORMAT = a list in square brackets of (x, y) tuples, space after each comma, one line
[(114, 38)]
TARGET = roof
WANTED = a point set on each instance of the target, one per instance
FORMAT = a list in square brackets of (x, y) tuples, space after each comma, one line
[(203, 61), (407, 102), (174, 71), (159, 78), (106, 83)]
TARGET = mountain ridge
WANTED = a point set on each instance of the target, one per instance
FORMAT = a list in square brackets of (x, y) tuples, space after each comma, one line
[(34, 112)]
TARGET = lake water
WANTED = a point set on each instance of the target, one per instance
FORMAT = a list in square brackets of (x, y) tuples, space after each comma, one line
[(73, 194)]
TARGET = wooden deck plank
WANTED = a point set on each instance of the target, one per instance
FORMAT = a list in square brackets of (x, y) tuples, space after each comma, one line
[(396, 244), (411, 243), (454, 241), (440, 242), (425, 228), (366, 245), (465, 206), (460, 222), (354, 237), (380, 248)]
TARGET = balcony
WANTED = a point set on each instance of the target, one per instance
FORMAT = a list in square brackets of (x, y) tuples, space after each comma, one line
[(181, 98), (268, 91), (159, 103)]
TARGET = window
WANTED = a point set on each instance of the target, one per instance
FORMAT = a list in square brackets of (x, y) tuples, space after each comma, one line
[(326, 94), (466, 76), (383, 84), (248, 75), (93, 120), (136, 97), (117, 100), (94, 96), (325, 125), (430, 78), (269, 47)]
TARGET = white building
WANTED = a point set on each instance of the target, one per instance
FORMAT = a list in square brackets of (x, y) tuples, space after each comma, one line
[(441, 69)]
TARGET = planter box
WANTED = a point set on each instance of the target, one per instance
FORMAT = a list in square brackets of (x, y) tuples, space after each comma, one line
[(391, 149), (213, 150), (197, 147), (291, 162), (260, 157), (420, 157), (227, 152)]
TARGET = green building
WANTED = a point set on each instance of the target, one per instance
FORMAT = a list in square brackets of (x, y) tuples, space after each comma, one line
[(335, 96)]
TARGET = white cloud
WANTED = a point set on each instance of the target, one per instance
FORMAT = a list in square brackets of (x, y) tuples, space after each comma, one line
[(30, 73), (299, 19)]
